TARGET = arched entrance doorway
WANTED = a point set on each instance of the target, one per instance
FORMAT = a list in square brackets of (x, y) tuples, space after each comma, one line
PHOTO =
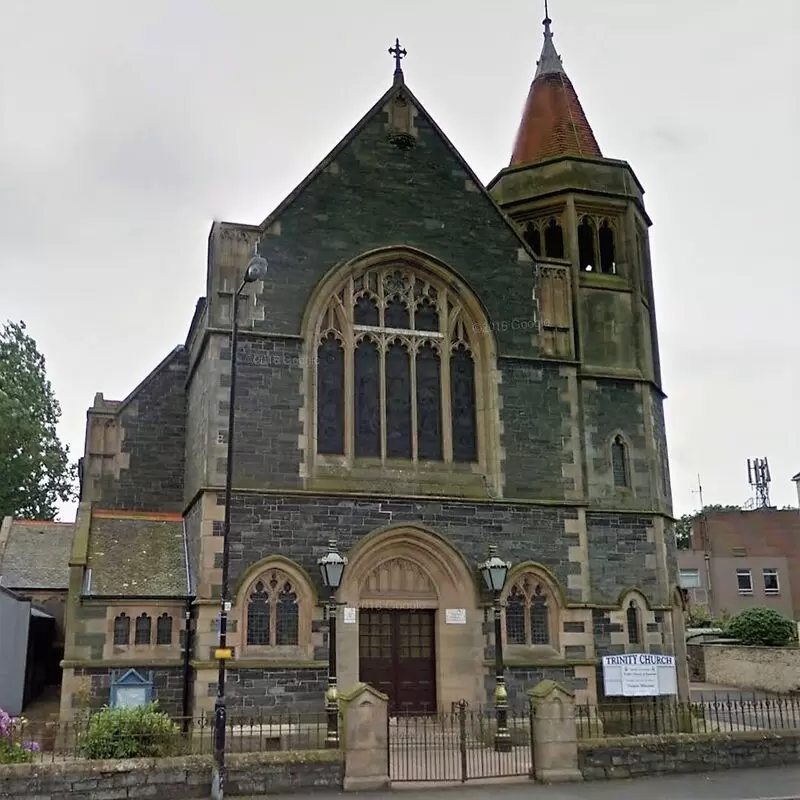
[(413, 630)]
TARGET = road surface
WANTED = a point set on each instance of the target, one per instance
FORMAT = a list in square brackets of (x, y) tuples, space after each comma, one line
[(769, 783)]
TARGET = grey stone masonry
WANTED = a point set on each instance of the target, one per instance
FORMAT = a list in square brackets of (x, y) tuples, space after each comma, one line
[(278, 691), (299, 526), (167, 686)]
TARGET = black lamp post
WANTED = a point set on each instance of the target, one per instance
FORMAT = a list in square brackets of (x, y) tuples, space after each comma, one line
[(495, 571), (331, 567), (256, 271)]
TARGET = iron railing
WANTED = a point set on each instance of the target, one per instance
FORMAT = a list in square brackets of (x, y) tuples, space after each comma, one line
[(89, 738), (458, 745), (637, 716)]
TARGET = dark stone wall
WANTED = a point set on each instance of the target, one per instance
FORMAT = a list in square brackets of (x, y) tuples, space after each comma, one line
[(167, 686), (291, 690), (201, 385), (380, 195), (192, 523), (660, 433), (268, 399), (520, 679), (182, 778), (618, 550), (154, 427), (533, 414), (658, 755), (298, 527)]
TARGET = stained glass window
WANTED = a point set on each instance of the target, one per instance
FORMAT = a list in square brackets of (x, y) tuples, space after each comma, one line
[(619, 463), (396, 340), (273, 612), (142, 630), (164, 629), (330, 389), (528, 620), (122, 630), (633, 623)]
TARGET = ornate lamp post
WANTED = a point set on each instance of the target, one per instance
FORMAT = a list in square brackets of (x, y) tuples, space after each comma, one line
[(256, 271), (495, 571), (331, 567)]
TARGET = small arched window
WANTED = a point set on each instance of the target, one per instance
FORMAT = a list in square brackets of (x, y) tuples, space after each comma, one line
[(619, 463), (164, 629), (605, 238), (122, 630), (586, 249), (273, 616), (528, 613), (634, 623), (142, 631), (553, 239), (533, 238)]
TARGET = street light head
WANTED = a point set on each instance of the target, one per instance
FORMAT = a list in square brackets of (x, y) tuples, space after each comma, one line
[(256, 270), (494, 571), (331, 567)]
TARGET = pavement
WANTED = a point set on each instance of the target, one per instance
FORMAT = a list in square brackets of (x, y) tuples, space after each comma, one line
[(768, 783)]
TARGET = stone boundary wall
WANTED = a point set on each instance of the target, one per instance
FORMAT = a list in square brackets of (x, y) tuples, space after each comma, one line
[(658, 755), (185, 778), (769, 669)]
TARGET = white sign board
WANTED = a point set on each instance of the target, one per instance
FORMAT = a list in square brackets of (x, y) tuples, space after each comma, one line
[(350, 615), (455, 616), (639, 675)]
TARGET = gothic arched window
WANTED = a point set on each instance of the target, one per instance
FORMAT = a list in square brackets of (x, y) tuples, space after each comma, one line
[(633, 623), (533, 238), (554, 239), (619, 463), (122, 630), (528, 613), (396, 371), (605, 239), (586, 248), (164, 629), (142, 630), (272, 611)]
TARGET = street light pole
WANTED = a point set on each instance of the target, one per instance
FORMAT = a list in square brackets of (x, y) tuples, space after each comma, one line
[(256, 270), (495, 571), (331, 567)]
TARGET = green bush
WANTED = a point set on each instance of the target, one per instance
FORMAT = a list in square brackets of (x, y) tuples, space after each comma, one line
[(131, 733), (761, 626)]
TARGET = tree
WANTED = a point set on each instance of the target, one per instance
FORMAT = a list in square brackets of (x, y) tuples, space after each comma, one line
[(683, 527), (35, 470), (763, 627)]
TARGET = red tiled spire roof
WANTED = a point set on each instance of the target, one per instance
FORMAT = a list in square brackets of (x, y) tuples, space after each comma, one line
[(553, 123)]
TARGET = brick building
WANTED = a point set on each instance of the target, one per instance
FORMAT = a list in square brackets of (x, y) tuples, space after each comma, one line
[(430, 366), (741, 559)]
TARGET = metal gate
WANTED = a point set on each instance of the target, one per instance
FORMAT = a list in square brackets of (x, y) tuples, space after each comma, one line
[(458, 746)]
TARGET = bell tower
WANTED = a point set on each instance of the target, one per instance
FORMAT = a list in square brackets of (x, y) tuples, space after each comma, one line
[(583, 216)]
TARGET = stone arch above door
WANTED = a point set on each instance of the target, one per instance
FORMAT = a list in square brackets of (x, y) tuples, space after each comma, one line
[(407, 564)]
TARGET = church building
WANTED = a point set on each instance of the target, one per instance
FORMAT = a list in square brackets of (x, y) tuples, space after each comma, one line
[(431, 366)]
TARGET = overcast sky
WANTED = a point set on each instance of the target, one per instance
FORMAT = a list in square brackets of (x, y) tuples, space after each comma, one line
[(126, 128)]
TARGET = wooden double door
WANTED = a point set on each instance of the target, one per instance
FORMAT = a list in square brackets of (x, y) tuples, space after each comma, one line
[(397, 656)]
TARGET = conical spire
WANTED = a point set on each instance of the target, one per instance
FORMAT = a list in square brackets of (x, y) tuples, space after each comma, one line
[(549, 62), (553, 123)]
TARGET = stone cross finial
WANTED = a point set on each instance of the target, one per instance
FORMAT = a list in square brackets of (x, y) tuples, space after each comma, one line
[(398, 52)]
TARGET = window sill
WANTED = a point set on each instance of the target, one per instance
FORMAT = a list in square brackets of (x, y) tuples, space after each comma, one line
[(519, 655), (275, 653), (602, 280)]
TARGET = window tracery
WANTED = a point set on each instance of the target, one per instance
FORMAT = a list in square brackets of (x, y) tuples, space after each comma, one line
[(528, 613), (396, 370), (545, 237), (273, 611)]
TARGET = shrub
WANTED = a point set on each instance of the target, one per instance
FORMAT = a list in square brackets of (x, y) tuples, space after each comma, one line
[(761, 626), (131, 733), (12, 749)]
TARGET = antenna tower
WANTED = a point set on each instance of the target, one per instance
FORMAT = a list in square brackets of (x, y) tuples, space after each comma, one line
[(759, 477)]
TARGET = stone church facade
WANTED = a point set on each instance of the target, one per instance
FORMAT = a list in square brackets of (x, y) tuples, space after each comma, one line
[(430, 366)]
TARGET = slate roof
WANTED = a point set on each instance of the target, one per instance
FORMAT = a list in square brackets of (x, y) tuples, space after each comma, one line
[(36, 555), (136, 557)]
